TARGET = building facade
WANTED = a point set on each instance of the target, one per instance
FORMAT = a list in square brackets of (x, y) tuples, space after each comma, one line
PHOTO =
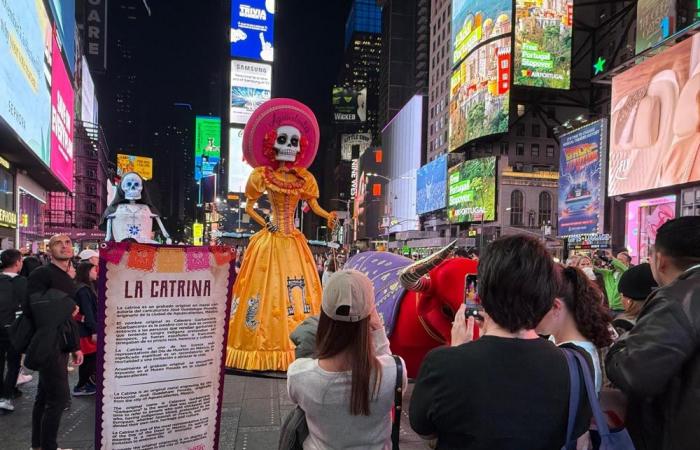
[(439, 77)]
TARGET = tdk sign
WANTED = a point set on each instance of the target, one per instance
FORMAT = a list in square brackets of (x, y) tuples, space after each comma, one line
[(252, 29)]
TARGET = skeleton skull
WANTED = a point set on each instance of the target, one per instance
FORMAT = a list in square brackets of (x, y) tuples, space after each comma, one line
[(132, 185), (287, 143)]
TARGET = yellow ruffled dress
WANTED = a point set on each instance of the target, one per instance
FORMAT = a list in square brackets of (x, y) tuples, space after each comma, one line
[(278, 285)]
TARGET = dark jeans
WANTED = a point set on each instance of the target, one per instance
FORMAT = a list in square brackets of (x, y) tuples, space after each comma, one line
[(86, 371), (52, 398), (9, 365)]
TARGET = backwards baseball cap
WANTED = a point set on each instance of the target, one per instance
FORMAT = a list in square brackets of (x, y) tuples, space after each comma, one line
[(637, 282), (348, 296), (87, 254)]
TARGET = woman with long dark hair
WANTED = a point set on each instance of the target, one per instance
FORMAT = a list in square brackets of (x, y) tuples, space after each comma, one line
[(347, 390), (86, 298), (579, 317)]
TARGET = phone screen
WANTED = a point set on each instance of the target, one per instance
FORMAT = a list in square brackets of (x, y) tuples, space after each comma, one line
[(471, 298)]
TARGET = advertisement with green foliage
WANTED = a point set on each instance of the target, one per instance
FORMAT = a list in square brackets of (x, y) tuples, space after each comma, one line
[(543, 32), (207, 145), (472, 191)]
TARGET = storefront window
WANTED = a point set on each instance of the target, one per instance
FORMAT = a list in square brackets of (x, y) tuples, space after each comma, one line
[(31, 221), (516, 208), (545, 215), (7, 191)]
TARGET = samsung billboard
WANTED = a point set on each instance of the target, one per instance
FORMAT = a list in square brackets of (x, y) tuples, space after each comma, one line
[(251, 86), (252, 29)]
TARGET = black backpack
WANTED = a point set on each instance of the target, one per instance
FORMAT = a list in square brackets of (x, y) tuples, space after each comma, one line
[(9, 303)]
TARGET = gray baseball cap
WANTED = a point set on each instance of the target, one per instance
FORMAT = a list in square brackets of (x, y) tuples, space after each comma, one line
[(348, 296)]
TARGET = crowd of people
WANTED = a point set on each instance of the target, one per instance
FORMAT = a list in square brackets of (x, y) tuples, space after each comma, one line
[(48, 324)]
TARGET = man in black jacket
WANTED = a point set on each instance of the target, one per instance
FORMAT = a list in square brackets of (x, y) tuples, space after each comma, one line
[(53, 394), (657, 364), (13, 289)]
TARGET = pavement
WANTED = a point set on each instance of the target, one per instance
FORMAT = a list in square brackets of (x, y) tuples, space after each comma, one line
[(253, 410)]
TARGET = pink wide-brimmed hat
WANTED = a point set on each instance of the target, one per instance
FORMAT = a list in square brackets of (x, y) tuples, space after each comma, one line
[(271, 115)]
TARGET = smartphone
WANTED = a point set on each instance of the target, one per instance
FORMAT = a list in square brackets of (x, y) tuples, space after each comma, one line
[(471, 297)]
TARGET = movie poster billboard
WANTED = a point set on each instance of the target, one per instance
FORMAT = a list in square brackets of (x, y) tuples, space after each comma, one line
[(354, 145), (478, 21), (141, 165), (581, 180), (251, 86), (238, 169), (480, 94), (252, 29), (432, 186), (207, 145), (25, 74), (62, 111), (349, 104), (162, 345), (654, 128), (471, 188), (656, 20), (543, 32), (643, 220)]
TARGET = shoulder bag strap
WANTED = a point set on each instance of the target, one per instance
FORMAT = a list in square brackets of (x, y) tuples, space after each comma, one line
[(574, 397), (398, 397), (597, 411)]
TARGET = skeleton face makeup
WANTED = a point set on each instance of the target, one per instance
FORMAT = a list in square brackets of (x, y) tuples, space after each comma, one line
[(287, 143), (132, 185)]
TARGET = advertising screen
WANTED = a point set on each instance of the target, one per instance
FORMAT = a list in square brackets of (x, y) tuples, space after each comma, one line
[(644, 217), (62, 110), (252, 29), (138, 164), (480, 93), (207, 145), (64, 20), (349, 105), (432, 186), (581, 180), (477, 21), (543, 32), (654, 134), (656, 20), (238, 169), (88, 101), (25, 75), (251, 86), (471, 188), (354, 145)]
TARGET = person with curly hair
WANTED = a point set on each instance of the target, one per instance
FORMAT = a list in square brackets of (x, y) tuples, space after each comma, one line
[(579, 317)]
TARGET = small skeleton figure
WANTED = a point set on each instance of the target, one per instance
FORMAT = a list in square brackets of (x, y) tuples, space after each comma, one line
[(131, 213)]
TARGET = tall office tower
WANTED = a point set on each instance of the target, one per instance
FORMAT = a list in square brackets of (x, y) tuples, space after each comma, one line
[(440, 70)]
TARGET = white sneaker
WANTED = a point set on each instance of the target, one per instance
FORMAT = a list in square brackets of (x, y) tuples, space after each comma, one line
[(6, 404), (24, 378)]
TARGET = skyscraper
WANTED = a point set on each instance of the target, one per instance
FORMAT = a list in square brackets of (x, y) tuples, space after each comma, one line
[(439, 86)]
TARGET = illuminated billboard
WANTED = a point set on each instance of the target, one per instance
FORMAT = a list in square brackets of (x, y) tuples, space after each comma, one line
[(471, 188), (88, 101), (64, 20), (643, 220), (252, 29), (656, 20), (349, 104), (654, 122), (62, 110), (25, 74), (251, 86), (477, 21), (581, 181), (238, 169), (542, 53), (138, 164), (354, 145), (432, 186), (480, 93), (207, 146)]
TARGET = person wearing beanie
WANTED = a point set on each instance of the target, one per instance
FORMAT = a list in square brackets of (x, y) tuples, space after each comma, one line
[(347, 389), (635, 285)]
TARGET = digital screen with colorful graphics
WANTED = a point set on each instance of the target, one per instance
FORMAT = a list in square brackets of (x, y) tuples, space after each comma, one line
[(480, 94), (656, 20), (542, 53), (251, 86), (349, 104), (207, 146), (238, 169), (252, 29), (62, 111), (654, 131), (644, 218), (138, 164), (64, 19), (478, 21), (581, 180), (25, 74), (432, 186), (471, 188)]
